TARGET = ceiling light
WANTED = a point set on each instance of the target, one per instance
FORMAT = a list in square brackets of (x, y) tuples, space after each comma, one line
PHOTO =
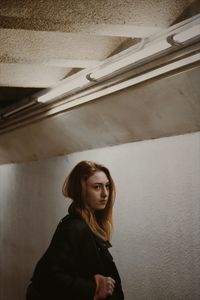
[(156, 46), (18, 108), (188, 34), (66, 86), (86, 97), (149, 47)]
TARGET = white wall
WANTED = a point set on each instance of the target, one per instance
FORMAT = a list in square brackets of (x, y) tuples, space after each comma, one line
[(156, 241)]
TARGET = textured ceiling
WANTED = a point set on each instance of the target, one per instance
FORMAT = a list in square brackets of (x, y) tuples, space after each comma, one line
[(73, 14), (43, 42)]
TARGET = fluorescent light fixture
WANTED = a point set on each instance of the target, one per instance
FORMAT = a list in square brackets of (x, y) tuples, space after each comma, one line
[(130, 59), (85, 97), (102, 90), (147, 50), (13, 111), (64, 87), (188, 34), (156, 46)]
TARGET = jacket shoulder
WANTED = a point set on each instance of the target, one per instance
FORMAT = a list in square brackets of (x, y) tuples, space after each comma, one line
[(73, 222), (72, 228)]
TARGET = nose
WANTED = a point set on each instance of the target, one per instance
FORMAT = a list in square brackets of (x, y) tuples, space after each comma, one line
[(104, 192)]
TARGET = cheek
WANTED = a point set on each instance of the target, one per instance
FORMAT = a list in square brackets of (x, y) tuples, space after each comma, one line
[(89, 195), (92, 195)]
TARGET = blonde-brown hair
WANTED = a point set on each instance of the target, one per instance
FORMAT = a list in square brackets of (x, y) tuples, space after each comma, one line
[(101, 222)]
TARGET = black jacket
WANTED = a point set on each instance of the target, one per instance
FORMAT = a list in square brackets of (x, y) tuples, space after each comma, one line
[(66, 270)]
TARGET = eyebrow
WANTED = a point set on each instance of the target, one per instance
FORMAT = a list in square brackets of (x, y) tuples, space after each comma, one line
[(108, 182)]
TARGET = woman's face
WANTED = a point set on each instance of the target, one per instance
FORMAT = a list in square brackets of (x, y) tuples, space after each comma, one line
[(97, 191)]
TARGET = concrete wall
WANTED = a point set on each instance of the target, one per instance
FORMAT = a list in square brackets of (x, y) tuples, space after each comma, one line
[(156, 242)]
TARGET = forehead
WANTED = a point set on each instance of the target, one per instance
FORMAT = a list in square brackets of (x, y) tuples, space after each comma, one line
[(98, 177)]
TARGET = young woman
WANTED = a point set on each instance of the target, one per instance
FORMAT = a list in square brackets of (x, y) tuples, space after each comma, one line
[(78, 265)]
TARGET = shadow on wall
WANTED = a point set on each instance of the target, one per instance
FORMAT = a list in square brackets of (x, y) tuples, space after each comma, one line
[(31, 208)]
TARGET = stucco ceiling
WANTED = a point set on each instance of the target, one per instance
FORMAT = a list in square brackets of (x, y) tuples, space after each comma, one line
[(43, 42)]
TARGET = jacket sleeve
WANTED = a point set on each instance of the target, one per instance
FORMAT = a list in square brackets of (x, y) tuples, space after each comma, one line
[(57, 273)]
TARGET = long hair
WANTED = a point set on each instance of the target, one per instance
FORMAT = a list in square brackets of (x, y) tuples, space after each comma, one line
[(74, 187)]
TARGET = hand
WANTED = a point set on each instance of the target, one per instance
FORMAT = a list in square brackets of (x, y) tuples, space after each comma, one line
[(105, 287), (110, 285)]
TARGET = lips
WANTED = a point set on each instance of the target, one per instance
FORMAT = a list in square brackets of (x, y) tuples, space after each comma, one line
[(103, 202)]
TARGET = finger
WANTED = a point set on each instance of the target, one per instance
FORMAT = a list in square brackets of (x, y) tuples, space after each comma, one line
[(110, 291), (112, 282), (110, 279), (110, 285)]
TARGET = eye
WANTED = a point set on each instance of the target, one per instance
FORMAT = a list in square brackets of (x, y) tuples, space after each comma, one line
[(107, 186), (97, 187)]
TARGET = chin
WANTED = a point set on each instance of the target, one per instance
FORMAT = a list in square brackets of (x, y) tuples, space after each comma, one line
[(101, 207)]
